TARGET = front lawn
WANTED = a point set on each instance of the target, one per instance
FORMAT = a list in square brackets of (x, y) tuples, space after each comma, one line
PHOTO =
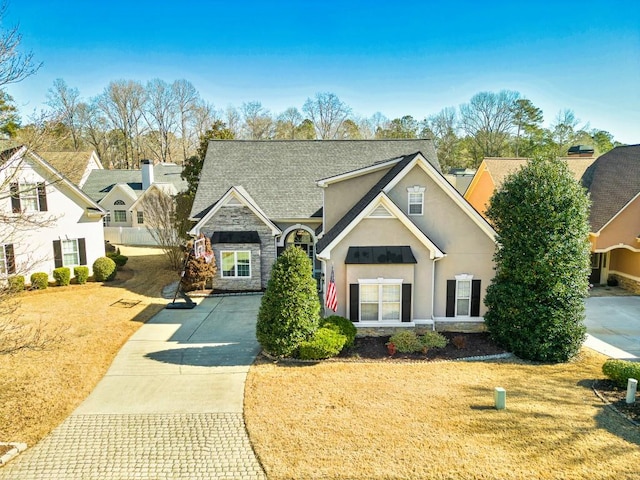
[(386, 420)]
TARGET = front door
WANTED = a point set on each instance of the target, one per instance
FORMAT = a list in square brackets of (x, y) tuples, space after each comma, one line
[(596, 268)]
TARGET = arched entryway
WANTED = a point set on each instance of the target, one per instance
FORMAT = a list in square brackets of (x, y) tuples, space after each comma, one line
[(304, 237)]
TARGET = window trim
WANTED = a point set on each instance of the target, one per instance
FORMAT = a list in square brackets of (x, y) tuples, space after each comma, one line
[(139, 217), (235, 264), (7, 264), (106, 220), (380, 282), (115, 216), (468, 279), (415, 190), (76, 252)]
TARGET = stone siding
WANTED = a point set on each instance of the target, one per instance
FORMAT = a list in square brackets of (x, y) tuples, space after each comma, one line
[(461, 327), (628, 284), (242, 219)]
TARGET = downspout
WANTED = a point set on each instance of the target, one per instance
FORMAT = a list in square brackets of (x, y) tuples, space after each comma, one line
[(433, 289)]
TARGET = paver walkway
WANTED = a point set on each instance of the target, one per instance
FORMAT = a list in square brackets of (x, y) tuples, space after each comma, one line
[(170, 406)]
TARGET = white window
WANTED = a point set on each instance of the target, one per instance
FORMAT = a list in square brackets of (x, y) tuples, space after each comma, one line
[(463, 295), (6, 258), (140, 217), (120, 216), (29, 197), (416, 200), (380, 300), (106, 220), (70, 253), (236, 264), (119, 202)]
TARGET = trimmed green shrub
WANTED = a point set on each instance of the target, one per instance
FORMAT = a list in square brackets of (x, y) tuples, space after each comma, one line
[(104, 269), (62, 276), (406, 341), (325, 343), (345, 327), (81, 274), (39, 281), (433, 340), (16, 283), (121, 260), (290, 309), (620, 371)]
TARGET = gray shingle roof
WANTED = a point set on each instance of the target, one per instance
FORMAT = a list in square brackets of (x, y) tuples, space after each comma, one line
[(612, 180), (100, 182), (280, 174)]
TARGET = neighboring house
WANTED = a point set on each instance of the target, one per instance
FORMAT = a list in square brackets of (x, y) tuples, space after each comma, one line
[(48, 222), (406, 249), (76, 166), (493, 171), (121, 192), (460, 178), (613, 182)]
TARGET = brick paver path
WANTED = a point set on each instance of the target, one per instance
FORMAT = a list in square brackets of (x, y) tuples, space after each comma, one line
[(162, 446)]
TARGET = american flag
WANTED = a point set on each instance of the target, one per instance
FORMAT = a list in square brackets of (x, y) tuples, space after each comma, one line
[(331, 300)]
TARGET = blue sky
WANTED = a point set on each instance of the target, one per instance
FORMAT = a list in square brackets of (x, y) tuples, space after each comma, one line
[(398, 58)]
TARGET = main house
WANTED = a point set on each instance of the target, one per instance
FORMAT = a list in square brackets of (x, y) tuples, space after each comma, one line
[(121, 193), (404, 247), (47, 221)]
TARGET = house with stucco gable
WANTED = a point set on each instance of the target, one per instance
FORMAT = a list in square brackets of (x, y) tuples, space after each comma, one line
[(405, 248)]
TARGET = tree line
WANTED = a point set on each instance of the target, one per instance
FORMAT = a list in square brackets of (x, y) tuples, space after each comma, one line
[(130, 121)]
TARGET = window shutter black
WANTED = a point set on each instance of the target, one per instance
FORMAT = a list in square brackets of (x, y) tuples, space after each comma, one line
[(42, 197), (57, 253), (15, 198), (82, 251), (354, 302), (475, 298), (406, 302), (451, 298), (10, 258)]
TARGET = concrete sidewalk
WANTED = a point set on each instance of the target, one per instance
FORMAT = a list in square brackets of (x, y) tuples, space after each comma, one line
[(613, 323), (169, 407)]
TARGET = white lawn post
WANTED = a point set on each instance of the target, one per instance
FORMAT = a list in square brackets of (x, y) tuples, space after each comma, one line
[(500, 398), (632, 387)]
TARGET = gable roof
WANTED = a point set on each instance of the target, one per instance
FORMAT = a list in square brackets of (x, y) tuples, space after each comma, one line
[(73, 165), (372, 198), (281, 175), (166, 188), (61, 182), (501, 168), (100, 182), (613, 180)]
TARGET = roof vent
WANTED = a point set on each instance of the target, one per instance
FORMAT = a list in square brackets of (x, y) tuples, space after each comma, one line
[(580, 151)]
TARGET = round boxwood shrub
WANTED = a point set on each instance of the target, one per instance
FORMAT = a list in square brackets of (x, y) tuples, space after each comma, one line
[(345, 327), (39, 281), (620, 371), (16, 283), (121, 260), (81, 274), (290, 309), (62, 276), (325, 343), (406, 341), (433, 340), (104, 269)]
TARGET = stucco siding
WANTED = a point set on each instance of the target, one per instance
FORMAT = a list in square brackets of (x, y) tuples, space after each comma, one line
[(480, 190), (623, 229), (239, 219), (339, 197), (625, 261)]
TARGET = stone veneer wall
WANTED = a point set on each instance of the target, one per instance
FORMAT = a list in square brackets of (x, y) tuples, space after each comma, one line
[(627, 283), (462, 327), (241, 219)]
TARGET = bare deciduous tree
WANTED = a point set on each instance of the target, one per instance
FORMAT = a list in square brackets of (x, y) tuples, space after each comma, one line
[(159, 213), (328, 113), (258, 123), (187, 100), (65, 102), (161, 115), (288, 123), (14, 66)]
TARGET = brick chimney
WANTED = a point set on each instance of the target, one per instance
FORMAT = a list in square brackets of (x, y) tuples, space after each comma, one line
[(147, 174)]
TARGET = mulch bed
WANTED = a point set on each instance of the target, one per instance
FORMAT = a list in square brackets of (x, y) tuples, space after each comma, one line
[(616, 396), (472, 345)]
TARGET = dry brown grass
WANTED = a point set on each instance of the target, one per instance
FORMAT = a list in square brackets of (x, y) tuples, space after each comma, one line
[(39, 389), (436, 421)]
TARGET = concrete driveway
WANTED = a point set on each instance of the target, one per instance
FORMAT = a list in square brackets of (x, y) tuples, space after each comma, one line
[(615, 321), (169, 407)]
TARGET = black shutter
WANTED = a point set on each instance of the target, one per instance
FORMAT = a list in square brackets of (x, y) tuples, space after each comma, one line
[(82, 251), (406, 302), (10, 259), (57, 253), (42, 197), (354, 302), (15, 198), (475, 298), (451, 298)]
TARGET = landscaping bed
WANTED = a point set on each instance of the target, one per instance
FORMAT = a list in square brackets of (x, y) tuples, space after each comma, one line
[(469, 345), (616, 397)]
